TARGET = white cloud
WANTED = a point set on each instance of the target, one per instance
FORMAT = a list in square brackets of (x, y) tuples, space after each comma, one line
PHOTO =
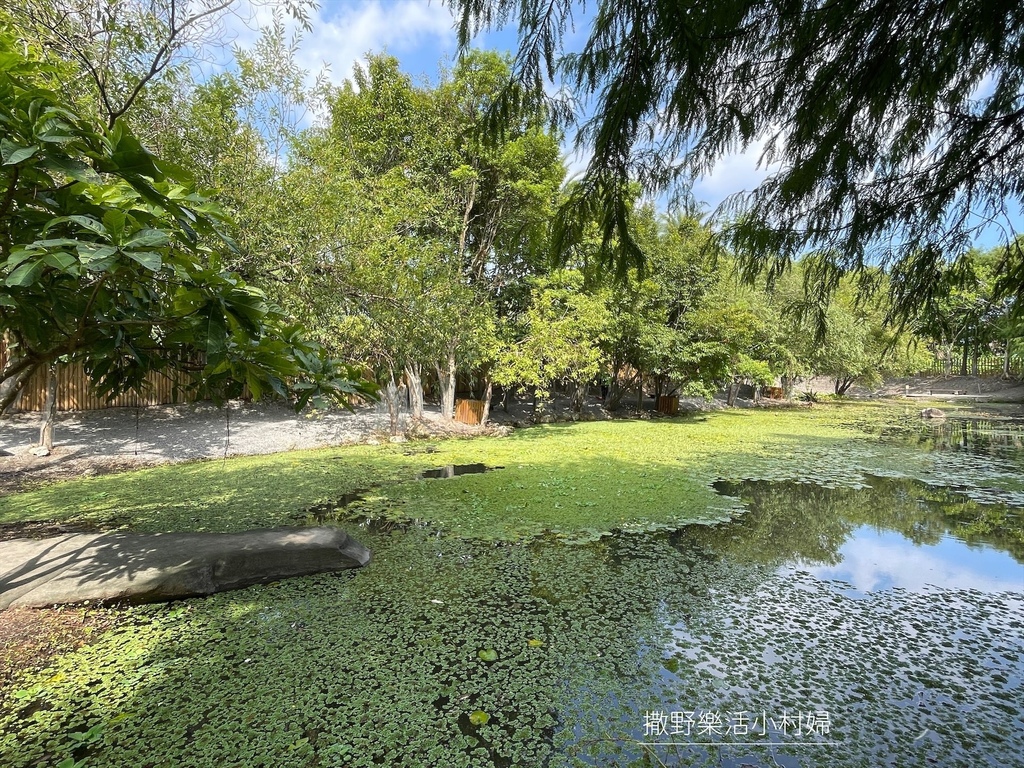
[(737, 172), (873, 562), (345, 32)]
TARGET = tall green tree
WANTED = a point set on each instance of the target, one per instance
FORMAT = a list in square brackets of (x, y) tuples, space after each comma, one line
[(891, 129), (559, 341)]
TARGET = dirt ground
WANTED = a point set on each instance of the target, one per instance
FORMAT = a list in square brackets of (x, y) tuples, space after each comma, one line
[(29, 638), (120, 439), (987, 387)]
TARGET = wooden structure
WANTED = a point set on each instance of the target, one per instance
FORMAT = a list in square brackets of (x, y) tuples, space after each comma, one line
[(469, 411), (668, 404), (75, 393)]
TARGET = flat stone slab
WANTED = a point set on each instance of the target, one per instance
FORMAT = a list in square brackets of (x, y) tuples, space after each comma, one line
[(143, 568)]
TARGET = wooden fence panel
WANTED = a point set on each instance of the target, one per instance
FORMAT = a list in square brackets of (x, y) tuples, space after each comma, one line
[(74, 392), (988, 365)]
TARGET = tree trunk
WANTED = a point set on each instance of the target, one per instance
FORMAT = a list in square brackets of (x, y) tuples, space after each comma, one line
[(787, 386), (12, 386), (390, 395), (49, 410), (414, 376), (975, 354), (577, 396), (487, 403), (446, 380), (616, 390), (1006, 359), (639, 391), (734, 390), (963, 361)]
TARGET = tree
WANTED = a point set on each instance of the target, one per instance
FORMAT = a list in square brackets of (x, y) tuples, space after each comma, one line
[(894, 130), (109, 257), (652, 331), (559, 341), (395, 232), (122, 47)]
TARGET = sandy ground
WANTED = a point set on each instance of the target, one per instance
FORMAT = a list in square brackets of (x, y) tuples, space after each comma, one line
[(114, 439), (988, 387)]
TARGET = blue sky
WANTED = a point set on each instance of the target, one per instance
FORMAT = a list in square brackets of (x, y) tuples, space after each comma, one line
[(422, 35)]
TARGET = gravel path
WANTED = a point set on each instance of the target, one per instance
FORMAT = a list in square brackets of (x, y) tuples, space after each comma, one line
[(178, 433)]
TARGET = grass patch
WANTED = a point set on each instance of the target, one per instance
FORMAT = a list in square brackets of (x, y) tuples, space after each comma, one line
[(566, 478)]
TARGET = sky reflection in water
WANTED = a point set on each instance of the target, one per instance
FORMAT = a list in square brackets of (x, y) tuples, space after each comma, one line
[(874, 559)]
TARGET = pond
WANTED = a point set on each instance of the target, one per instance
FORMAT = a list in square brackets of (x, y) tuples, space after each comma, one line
[(866, 618)]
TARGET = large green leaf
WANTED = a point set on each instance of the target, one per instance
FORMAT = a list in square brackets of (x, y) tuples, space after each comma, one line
[(25, 275), (114, 222), (148, 238), (62, 262), (15, 153), (151, 260), (96, 258), (74, 169)]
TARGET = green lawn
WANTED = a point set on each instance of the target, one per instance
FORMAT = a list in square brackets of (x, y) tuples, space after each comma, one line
[(566, 478)]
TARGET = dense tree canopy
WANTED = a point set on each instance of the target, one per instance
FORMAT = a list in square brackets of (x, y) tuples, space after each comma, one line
[(109, 256), (893, 130), (382, 217)]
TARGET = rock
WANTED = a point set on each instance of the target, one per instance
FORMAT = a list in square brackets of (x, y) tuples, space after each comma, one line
[(933, 413), (39, 451), (141, 568), (399, 439)]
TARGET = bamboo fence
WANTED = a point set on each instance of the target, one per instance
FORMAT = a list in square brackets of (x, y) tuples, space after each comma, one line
[(75, 392)]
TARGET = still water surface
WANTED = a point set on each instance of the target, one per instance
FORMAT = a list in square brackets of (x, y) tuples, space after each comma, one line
[(875, 622)]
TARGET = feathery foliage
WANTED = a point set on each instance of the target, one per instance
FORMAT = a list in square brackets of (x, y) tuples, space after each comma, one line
[(893, 130)]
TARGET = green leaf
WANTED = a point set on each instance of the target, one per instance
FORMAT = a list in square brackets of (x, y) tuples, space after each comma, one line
[(19, 255), (15, 153), (74, 169), (61, 261), (90, 253), (148, 238), (114, 221), (488, 654), (26, 274), (151, 260), (479, 717), (90, 223)]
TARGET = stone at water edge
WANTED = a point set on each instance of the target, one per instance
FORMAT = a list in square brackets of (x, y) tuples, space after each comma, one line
[(141, 568), (933, 413)]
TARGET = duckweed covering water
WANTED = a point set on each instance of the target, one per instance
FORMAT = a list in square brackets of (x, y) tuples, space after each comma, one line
[(480, 650)]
